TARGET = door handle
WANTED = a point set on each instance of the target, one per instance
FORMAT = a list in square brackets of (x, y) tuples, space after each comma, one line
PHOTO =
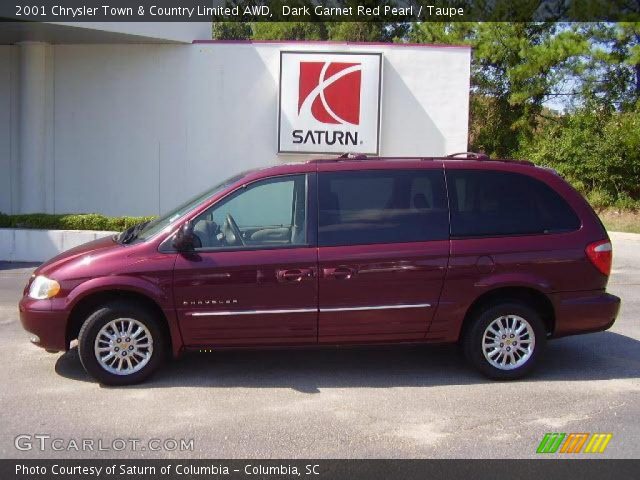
[(294, 275), (338, 273)]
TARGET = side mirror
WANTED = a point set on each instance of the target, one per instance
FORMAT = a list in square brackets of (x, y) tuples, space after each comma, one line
[(183, 240)]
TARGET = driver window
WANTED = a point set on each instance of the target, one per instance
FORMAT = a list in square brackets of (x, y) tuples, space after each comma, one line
[(267, 213)]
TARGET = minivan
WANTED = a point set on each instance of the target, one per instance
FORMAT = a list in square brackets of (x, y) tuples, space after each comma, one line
[(496, 255)]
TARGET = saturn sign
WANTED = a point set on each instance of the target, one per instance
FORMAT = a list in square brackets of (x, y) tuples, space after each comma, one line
[(329, 102)]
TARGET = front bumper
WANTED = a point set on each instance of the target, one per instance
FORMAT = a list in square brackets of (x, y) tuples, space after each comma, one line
[(49, 326), (584, 312)]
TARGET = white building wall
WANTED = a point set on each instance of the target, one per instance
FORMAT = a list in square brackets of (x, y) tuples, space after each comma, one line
[(8, 127), (139, 128)]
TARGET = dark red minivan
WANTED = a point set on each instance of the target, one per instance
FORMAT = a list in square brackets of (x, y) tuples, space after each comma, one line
[(497, 255)]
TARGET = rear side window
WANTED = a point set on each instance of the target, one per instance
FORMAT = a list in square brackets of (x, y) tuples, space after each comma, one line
[(381, 206), (485, 203)]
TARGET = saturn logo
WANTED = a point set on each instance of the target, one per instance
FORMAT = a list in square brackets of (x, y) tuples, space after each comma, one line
[(330, 92)]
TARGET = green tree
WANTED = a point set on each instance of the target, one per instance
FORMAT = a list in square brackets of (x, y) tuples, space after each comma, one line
[(231, 31), (367, 31), (611, 75), (337, 31), (289, 31), (515, 69)]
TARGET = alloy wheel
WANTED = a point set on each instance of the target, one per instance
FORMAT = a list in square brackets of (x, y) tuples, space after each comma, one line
[(123, 346), (508, 342)]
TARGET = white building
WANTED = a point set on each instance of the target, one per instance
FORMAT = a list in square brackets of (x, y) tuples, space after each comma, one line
[(130, 119)]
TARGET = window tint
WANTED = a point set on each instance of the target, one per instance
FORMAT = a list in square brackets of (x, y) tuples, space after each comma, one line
[(381, 206), (267, 213), (485, 203), (167, 219)]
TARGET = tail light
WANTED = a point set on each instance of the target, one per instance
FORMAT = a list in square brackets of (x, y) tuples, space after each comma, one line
[(600, 253)]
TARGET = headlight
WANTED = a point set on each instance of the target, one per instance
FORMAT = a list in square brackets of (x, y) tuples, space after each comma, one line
[(43, 287)]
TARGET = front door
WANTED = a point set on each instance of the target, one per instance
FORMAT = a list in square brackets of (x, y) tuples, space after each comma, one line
[(383, 239), (252, 278)]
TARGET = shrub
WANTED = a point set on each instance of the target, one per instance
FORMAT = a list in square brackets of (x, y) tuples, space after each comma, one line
[(83, 221), (597, 151), (599, 199)]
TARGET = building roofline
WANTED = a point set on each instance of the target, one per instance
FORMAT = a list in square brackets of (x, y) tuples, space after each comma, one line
[(332, 42)]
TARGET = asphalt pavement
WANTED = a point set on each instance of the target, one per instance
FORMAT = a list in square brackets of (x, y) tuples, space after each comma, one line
[(381, 402)]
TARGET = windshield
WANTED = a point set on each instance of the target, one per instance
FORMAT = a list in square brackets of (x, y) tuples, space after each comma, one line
[(145, 230)]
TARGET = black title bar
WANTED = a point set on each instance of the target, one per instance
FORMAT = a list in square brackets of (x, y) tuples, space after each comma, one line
[(317, 11), (183, 469)]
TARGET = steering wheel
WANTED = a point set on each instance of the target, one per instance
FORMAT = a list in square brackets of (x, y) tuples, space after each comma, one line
[(235, 229)]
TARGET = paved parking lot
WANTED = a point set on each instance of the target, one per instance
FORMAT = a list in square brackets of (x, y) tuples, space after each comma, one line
[(352, 402)]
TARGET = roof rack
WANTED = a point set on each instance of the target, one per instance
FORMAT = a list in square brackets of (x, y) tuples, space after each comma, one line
[(355, 156), (344, 156), (473, 155), (485, 157)]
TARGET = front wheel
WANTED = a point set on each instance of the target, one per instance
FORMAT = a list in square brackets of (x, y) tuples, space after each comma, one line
[(121, 344), (505, 341)]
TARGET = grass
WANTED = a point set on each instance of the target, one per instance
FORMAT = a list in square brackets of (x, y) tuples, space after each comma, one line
[(618, 220)]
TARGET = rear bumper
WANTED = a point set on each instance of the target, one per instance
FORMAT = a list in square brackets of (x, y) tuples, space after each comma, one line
[(584, 312), (47, 325)]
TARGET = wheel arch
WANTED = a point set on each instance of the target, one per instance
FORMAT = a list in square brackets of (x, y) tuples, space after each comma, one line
[(90, 302), (530, 296)]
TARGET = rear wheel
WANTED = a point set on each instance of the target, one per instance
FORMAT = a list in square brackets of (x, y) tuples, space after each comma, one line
[(505, 341), (121, 344)]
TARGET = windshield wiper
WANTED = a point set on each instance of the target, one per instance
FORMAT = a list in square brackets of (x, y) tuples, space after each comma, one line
[(131, 233)]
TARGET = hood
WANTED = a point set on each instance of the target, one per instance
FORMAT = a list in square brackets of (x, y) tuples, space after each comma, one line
[(95, 247)]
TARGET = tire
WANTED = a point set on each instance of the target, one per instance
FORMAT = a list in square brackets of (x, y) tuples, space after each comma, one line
[(506, 319), (132, 360)]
